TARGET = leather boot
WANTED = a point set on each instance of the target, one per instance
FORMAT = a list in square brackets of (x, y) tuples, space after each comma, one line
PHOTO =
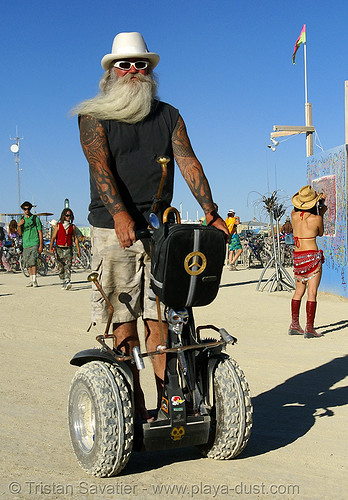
[(295, 328), (309, 331)]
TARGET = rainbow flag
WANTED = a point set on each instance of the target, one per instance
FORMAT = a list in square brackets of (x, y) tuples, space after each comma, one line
[(301, 39)]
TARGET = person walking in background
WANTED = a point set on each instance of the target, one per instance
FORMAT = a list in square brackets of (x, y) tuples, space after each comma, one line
[(286, 232), (234, 245), (3, 261), (53, 224), (12, 232), (286, 227), (64, 234), (80, 236), (30, 228), (307, 223)]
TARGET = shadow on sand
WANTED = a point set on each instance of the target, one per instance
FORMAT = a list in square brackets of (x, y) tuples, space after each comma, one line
[(281, 415), (148, 461), (333, 327), (288, 411), (237, 283)]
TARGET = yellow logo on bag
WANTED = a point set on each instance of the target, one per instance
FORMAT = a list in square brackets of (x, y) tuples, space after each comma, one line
[(195, 260)]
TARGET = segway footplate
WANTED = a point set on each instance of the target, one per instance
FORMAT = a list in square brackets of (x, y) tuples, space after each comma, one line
[(160, 435)]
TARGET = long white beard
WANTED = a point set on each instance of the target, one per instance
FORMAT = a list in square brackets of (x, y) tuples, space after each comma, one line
[(125, 99)]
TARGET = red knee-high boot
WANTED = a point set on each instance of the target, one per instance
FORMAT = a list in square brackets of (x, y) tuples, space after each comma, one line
[(309, 331), (295, 328)]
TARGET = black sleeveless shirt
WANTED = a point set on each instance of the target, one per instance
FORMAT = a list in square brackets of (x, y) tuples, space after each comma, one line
[(133, 152)]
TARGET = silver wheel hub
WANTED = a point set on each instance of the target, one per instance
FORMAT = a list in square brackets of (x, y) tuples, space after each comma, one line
[(83, 415)]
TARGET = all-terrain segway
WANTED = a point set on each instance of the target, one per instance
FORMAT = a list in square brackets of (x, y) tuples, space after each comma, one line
[(206, 400)]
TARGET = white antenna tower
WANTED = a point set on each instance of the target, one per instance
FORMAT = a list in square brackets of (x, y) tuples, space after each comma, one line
[(15, 150)]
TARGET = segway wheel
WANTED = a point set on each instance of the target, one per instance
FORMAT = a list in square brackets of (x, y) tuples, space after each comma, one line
[(100, 418), (231, 414)]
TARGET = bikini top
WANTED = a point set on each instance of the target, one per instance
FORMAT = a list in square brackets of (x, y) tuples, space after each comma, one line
[(297, 243), (296, 238)]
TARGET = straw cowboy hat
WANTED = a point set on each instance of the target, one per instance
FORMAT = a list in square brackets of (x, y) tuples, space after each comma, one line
[(306, 198), (129, 45)]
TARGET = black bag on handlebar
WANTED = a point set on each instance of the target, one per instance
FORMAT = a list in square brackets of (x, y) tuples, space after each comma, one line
[(186, 264)]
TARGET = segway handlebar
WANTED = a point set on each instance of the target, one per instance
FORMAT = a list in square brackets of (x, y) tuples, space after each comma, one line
[(142, 234)]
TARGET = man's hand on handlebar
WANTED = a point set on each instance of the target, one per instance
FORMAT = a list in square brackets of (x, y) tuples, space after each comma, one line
[(143, 234), (124, 229)]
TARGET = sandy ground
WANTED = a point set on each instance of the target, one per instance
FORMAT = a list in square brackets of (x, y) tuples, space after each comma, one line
[(298, 447)]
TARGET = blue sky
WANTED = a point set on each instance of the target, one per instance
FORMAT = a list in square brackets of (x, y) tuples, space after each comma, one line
[(225, 64)]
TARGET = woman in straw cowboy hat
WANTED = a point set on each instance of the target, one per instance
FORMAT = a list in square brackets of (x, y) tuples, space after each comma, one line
[(307, 223)]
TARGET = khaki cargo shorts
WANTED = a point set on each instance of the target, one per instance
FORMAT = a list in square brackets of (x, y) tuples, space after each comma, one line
[(30, 256), (124, 276)]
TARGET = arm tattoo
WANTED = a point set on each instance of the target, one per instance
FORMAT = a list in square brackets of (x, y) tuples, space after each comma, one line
[(190, 167), (96, 150), (181, 143)]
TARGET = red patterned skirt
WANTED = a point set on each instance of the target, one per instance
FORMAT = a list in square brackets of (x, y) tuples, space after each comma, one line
[(307, 264)]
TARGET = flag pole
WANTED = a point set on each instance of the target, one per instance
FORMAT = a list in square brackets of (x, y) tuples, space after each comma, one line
[(305, 68), (281, 130), (308, 105)]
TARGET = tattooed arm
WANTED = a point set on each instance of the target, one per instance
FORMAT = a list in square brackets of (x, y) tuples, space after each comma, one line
[(193, 174), (96, 150)]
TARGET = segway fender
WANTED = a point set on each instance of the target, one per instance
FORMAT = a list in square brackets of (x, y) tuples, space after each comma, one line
[(83, 357)]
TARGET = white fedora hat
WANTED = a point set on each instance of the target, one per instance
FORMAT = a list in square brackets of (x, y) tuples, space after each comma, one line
[(129, 45)]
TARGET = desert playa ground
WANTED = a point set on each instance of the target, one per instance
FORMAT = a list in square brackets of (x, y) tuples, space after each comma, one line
[(298, 446)]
